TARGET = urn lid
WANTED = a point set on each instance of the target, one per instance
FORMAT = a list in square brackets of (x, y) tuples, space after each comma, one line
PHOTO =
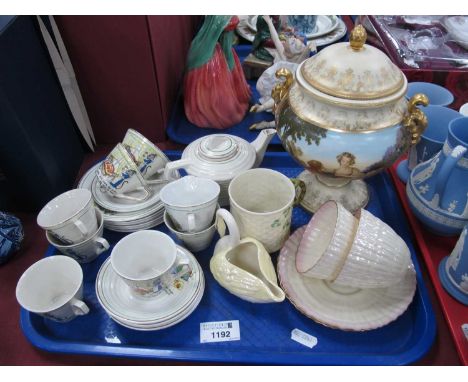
[(354, 70)]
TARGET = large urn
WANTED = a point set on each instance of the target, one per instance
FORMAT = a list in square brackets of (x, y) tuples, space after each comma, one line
[(344, 117)]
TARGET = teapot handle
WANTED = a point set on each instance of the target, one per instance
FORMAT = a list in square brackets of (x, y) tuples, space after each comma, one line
[(224, 217), (415, 120), (175, 165), (444, 173)]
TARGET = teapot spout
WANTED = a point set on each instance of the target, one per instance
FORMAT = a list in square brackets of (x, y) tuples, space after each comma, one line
[(260, 144)]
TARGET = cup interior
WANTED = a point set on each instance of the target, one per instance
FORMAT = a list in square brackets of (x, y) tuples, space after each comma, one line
[(63, 207), (143, 255), (320, 232), (49, 284), (459, 130), (189, 191), (438, 118), (261, 191)]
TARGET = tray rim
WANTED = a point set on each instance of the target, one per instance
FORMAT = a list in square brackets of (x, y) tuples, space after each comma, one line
[(237, 356)]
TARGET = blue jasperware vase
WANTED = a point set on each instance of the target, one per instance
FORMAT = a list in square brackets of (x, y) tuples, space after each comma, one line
[(437, 189)]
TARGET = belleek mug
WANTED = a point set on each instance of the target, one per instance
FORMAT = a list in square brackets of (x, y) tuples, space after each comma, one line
[(53, 288), (149, 159), (144, 261), (119, 176), (191, 202), (262, 201), (453, 270), (87, 250), (70, 217), (432, 139)]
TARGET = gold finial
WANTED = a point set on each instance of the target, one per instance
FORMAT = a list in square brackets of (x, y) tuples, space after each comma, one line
[(358, 37)]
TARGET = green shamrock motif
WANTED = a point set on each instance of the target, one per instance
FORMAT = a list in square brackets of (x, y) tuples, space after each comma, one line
[(275, 224)]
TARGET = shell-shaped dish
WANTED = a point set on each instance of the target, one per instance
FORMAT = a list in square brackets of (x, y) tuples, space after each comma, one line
[(247, 271), (378, 257), (326, 242), (342, 307)]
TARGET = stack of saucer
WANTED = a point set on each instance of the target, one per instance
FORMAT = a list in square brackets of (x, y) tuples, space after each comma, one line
[(168, 301), (126, 185)]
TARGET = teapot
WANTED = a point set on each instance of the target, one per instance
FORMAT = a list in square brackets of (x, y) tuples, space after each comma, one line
[(437, 189), (221, 157), (243, 267)]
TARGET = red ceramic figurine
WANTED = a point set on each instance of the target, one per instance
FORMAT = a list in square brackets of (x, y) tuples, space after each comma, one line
[(216, 93)]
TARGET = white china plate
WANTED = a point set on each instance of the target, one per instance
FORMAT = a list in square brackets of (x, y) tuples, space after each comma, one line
[(341, 308), (325, 25), (117, 299), (244, 31)]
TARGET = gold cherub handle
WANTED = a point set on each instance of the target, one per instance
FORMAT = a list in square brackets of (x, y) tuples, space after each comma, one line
[(415, 120), (281, 90)]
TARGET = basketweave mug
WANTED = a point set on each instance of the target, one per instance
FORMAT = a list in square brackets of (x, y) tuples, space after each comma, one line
[(119, 175), (70, 217), (149, 159), (53, 288), (262, 201)]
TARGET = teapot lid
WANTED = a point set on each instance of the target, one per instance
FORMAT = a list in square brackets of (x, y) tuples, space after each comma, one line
[(219, 156), (353, 70)]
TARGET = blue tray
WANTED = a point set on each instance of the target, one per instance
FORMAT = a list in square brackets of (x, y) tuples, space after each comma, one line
[(265, 329)]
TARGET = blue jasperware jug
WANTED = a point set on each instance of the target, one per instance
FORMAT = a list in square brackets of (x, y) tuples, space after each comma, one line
[(438, 188)]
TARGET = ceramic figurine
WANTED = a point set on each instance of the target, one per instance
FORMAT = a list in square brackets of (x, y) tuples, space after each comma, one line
[(11, 236), (221, 157), (216, 94), (289, 53), (243, 267), (438, 188), (453, 270), (344, 117), (263, 38)]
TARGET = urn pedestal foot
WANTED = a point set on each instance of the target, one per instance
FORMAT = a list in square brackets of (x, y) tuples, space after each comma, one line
[(353, 194)]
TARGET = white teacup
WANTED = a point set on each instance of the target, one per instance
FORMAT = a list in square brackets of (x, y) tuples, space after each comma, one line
[(193, 241), (87, 250), (149, 159), (262, 201), (144, 261), (53, 288), (70, 217), (191, 202), (119, 176)]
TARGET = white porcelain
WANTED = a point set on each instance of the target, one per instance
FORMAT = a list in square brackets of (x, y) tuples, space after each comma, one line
[(191, 202), (120, 177), (326, 242), (378, 256), (53, 288), (193, 241), (221, 157), (342, 307), (243, 267), (149, 159), (69, 217), (144, 261), (161, 309), (261, 202), (464, 109), (87, 250)]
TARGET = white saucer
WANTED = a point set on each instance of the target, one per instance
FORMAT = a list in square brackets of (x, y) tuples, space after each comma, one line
[(325, 25), (117, 299), (343, 308), (336, 34)]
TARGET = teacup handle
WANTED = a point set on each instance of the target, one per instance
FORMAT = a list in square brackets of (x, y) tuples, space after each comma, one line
[(223, 218), (81, 227), (135, 198), (175, 165), (79, 307), (103, 245), (300, 187)]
